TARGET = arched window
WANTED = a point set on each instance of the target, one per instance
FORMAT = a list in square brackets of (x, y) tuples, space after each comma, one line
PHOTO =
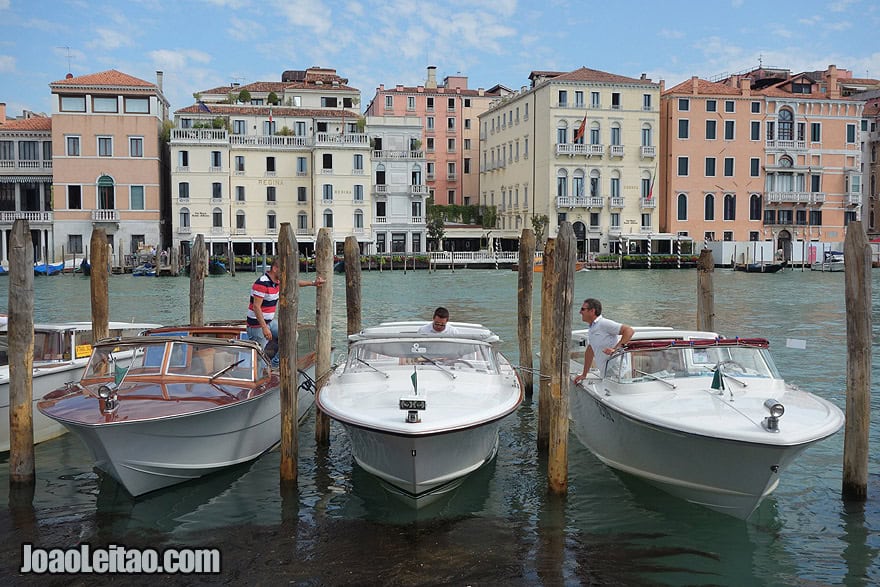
[(328, 218), (729, 207), (106, 193), (358, 220), (416, 175), (682, 206), (647, 135), (239, 220), (786, 125), (562, 133), (615, 134), (184, 218), (561, 183), (217, 217), (302, 221), (380, 174), (577, 183), (595, 192), (709, 207), (615, 184), (754, 207), (595, 129)]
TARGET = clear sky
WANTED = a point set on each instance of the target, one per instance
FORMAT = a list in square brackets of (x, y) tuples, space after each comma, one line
[(201, 44)]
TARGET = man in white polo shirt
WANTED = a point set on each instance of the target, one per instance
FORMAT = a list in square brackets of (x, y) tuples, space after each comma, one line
[(606, 336)]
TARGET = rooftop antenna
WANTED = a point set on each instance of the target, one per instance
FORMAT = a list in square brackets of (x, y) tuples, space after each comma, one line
[(68, 57), (760, 61)]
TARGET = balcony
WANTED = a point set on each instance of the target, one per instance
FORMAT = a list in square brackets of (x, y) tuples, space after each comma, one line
[(852, 199), (418, 190), (31, 217), (201, 136), (615, 202), (385, 154), (571, 202), (451, 177), (648, 202), (615, 150), (326, 139), (595, 202), (105, 216), (380, 220), (276, 142), (572, 149), (795, 197), (648, 152), (594, 229), (219, 169), (417, 220), (787, 145), (380, 189), (184, 230)]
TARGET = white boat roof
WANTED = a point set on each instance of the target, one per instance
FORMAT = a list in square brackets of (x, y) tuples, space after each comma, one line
[(82, 326), (464, 330)]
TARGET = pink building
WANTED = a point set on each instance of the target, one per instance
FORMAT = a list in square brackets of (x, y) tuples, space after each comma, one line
[(762, 156), (110, 164), (451, 140)]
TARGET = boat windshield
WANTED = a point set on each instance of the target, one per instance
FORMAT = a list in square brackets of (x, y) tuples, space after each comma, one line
[(647, 364), (384, 354), (184, 359)]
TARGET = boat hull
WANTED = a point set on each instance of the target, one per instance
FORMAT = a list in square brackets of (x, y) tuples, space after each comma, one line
[(147, 455), (422, 469), (728, 476)]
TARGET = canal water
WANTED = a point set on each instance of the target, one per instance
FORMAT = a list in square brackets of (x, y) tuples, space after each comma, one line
[(500, 527)]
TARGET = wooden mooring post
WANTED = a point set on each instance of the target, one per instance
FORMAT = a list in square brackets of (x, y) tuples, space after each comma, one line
[(198, 267), (288, 312), (526, 280), (353, 284), (559, 284), (705, 292), (21, 358), (323, 317), (99, 287), (857, 278), (545, 365)]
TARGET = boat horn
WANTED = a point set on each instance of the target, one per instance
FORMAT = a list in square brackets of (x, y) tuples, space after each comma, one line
[(776, 410)]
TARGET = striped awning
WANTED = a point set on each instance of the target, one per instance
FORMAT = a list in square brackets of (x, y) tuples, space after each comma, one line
[(26, 179)]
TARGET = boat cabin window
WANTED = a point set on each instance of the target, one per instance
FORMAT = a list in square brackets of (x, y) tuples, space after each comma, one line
[(640, 365), (50, 346), (449, 353), (202, 360)]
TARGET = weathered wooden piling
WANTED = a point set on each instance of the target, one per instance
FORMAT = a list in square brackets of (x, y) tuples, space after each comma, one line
[(526, 280), (857, 268), (20, 331), (557, 346), (705, 292), (232, 260), (288, 312), (198, 267), (544, 380), (353, 284), (323, 311), (99, 284)]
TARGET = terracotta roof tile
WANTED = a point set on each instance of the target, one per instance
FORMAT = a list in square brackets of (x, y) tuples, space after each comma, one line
[(705, 87), (34, 123), (585, 74), (111, 77)]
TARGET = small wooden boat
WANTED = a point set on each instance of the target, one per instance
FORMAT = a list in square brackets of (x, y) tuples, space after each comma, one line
[(61, 352), (760, 267), (422, 411), (48, 268), (193, 401)]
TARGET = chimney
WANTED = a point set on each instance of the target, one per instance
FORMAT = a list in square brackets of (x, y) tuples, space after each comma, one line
[(160, 77), (2, 112), (831, 82), (745, 86), (695, 85), (431, 83)]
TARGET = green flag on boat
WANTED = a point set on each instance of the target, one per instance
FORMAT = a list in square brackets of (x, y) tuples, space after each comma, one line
[(415, 380), (718, 380)]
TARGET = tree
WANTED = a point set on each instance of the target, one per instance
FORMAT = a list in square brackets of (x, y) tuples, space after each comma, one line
[(285, 131), (244, 97), (539, 225), (435, 223), (273, 99)]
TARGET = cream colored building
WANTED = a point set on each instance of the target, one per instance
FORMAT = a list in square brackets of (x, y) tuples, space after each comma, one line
[(534, 161), (247, 158)]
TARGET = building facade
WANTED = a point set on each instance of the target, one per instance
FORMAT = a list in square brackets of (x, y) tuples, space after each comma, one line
[(579, 146), (109, 162), (26, 181), (449, 113), (871, 163), (247, 158), (763, 156), (398, 189)]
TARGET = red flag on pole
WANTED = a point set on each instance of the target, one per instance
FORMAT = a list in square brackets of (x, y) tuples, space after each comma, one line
[(581, 130), (651, 187)]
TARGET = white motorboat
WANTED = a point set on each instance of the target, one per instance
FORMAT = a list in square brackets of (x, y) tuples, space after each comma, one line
[(61, 352), (422, 411), (704, 418), (194, 400), (832, 261)]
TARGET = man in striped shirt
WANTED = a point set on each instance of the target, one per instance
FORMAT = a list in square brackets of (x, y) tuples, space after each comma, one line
[(265, 292)]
